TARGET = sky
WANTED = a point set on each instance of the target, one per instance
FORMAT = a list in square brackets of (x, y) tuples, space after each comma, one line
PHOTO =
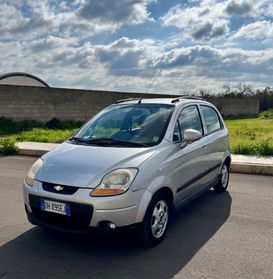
[(122, 45)]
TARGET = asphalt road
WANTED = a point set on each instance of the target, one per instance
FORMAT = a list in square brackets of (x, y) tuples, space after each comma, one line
[(217, 236)]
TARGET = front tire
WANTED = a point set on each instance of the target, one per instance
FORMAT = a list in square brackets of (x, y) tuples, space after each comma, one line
[(155, 225), (223, 179)]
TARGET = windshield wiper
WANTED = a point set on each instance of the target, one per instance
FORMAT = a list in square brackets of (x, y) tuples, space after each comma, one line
[(79, 140), (108, 141), (115, 141)]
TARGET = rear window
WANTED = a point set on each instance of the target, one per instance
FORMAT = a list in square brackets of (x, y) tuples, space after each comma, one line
[(211, 118)]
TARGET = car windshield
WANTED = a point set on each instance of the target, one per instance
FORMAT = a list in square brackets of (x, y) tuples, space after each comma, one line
[(126, 125)]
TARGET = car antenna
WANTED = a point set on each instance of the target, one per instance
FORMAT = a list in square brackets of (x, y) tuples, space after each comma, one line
[(150, 85)]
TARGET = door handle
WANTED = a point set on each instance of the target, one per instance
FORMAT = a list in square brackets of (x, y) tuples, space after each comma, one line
[(204, 146)]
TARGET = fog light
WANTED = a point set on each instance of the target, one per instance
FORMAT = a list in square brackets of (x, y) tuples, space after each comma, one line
[(106, 228), (112, 226)]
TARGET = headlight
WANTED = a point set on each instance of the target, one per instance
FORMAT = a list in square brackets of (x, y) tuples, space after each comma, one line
[(32, 172), (115, 183)]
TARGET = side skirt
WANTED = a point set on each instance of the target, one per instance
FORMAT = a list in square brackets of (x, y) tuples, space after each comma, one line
[(197, 193)]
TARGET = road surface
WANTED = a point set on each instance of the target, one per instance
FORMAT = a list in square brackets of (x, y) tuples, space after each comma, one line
[(216, 236)]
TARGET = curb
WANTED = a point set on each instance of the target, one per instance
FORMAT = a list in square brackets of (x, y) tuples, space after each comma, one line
[(249, 168), (37, 150), (32, 152)]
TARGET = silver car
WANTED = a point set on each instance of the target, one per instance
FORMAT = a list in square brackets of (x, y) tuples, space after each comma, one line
[(132, 164)]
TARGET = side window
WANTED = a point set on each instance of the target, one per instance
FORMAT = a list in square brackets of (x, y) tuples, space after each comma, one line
[(212, 119), (189, 118), (176, 133)]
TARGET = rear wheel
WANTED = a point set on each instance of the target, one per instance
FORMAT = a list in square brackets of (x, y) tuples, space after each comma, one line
[(223, 181), (156, 221)]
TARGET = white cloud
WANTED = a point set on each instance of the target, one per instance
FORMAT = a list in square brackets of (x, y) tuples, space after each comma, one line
[(207, 44), (30, 18), (126, 57), (115, 12), (239, 8), (256, 30), (204, 22)]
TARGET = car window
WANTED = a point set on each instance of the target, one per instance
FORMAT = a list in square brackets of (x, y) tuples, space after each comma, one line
[(211, 118), (189, 118), (132, 123), (176, 132)]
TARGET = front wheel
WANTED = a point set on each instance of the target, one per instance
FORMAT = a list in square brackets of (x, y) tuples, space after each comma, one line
[(156, 220), (223, 181)]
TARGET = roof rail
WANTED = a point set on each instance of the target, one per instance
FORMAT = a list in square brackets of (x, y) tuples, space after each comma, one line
[(126, 100), (187, 97)]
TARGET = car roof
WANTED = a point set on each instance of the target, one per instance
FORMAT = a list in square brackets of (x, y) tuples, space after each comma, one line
[(168, 101)]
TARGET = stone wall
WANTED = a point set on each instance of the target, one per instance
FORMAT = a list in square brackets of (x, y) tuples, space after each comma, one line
[(42, 104)]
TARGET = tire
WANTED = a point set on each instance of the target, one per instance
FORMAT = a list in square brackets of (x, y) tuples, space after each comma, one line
[(223, 179), (155, 224)]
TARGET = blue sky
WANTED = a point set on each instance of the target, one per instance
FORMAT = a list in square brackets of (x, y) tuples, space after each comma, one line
[(122, 45)]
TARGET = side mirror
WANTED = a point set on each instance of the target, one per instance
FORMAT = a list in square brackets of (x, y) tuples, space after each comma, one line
[(191, 135)]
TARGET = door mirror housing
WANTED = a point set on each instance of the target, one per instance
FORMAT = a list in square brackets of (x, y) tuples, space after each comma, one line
[(191, 135)]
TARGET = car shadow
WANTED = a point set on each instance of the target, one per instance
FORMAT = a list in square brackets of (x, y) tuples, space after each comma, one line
[(39, 253)]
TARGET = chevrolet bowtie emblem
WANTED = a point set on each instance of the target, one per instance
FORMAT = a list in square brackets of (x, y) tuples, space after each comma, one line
[(58, 188)]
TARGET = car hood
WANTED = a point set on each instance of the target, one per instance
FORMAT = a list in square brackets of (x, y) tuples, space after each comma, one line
[(84, 166)]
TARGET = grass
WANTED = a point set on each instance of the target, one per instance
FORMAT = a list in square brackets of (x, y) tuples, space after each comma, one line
[(251, 135), (44, 135), (10, 127), (8, 146), (52, 131)]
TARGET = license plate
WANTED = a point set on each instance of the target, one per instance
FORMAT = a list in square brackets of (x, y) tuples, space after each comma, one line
[(55, 207)]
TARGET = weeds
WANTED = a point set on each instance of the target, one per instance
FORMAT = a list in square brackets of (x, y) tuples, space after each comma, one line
[(8, 146), (267, 114), (45, 135), (9, 126), (260, 148)]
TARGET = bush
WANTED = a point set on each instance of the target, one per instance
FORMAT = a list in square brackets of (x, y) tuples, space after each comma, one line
[(8, 126), (54, 123), (45, 135), (57, 124), (260, 148), (8, 146), (267, 114), (264, 148)]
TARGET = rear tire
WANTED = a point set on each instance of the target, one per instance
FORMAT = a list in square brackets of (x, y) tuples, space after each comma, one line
[(155, 224), (223, 179)]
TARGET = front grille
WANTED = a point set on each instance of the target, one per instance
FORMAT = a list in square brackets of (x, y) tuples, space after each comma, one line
[(79, 219), (65, 190)]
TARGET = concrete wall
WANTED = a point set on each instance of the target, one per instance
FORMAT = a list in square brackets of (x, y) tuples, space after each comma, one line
[(236, 106), (42, 104)]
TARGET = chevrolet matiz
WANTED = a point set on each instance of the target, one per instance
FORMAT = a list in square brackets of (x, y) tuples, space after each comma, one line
[(131, 164)]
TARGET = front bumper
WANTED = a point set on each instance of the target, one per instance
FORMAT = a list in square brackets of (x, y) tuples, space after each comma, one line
[(123, 210)]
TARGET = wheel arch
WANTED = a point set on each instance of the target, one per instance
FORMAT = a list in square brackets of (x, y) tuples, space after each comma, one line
[(167, 191), (227, 161)]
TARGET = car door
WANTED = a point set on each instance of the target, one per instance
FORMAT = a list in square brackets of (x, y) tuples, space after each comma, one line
[(186, 163), (216, 136)]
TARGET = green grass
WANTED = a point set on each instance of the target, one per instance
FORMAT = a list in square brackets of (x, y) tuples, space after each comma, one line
[(8, 146), (252, 136), (10, 127), (17, 131), (44, 135), (267, 114)]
